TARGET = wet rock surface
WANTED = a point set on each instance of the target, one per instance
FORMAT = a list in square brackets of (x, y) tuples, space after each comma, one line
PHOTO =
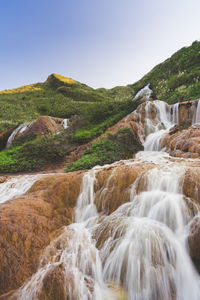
[(27, 224)]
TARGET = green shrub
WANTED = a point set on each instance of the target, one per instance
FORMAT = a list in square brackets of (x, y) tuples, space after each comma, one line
[(33, 155), (115, 147), (106, 117)]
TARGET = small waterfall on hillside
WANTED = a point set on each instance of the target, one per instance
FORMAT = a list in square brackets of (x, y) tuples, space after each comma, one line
[(139, 250), (144, 93), (64, 123), (21, 128)]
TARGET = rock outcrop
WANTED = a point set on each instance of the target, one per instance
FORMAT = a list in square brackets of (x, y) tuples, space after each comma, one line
[(183, 140), (44, 125), (183, 143), (30, 222)]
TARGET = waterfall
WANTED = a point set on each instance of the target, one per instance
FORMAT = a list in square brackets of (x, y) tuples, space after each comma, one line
[(16, 186), (175, 114), (140, 249), (196, 115), (64, 123), (21, 128), (147, 252), (77, 254), (144, 93), (85, 204), (157, 128)]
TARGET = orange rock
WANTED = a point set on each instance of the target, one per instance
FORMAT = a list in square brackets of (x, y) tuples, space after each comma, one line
[(42, 126), (184, 143), (113, 185), (27, 225)]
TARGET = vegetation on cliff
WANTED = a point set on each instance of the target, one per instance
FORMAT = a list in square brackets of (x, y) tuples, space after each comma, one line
[(177, 79), (34, 154), (121, 145)]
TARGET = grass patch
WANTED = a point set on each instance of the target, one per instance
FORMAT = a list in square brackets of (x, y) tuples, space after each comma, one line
[(115, 147), (177, 79), (33, 155), (98, 117)]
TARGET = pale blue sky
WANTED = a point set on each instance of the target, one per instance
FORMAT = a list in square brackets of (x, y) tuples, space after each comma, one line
[(102, 43)]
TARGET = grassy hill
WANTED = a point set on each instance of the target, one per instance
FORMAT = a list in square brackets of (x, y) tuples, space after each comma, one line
[(176, 79), (63, 97), (59, 96)]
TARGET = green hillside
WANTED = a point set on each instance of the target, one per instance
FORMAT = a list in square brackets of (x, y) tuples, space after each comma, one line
[(59, 96), (176, 79), (94, 111)]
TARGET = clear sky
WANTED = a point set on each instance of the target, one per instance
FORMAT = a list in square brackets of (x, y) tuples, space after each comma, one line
[(102, 43)]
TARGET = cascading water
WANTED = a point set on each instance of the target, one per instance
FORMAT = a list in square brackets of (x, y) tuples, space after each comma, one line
[(142, 245), (16, 186), (166, 118), (21, 128), (140, 250), (144, 93), (76, 252), (175, 113), (147, 253), (65, 123), (196, 115)]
